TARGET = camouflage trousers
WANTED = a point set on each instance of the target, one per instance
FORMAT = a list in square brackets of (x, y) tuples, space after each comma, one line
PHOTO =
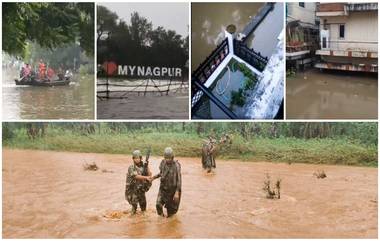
[(165, 199), (208, 162), (134, 198)]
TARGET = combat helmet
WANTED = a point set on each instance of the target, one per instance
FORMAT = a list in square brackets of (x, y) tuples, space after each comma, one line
[(168, 153), (136, 154)]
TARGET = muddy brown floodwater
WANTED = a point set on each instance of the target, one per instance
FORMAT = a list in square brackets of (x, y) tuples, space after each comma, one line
[(331, 95), (48, 195), (208, 22), (172, 106), (75, 101)]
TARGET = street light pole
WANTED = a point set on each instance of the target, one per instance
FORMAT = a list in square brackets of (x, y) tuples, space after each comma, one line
[(107, 78), (108, 44)]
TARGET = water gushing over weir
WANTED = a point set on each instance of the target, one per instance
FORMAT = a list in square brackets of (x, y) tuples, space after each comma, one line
[(253, 98), (265, 102)]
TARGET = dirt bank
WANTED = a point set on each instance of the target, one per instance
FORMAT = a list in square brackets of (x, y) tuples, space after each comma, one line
[(49, 195)]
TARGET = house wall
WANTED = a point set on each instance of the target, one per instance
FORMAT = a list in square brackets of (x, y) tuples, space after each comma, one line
[(306, 14), (360, 31)]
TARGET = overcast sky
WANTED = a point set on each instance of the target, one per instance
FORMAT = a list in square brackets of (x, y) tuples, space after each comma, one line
[(171, 16)]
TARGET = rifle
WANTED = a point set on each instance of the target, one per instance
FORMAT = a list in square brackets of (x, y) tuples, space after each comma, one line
[(146, 162), (147, 184)]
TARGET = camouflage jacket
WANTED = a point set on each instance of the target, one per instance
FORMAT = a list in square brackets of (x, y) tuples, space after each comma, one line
[(170, 173), (131, 183)]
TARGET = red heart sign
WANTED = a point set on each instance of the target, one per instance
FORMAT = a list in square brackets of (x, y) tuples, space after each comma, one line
[(110, 67)]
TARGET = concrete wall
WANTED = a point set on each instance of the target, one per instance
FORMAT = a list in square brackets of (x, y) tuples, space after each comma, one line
[(360, 29), (265, 36), (306, 14)]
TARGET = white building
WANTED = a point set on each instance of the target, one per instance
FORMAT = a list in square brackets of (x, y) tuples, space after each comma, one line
[(301, 11), (348, 36)]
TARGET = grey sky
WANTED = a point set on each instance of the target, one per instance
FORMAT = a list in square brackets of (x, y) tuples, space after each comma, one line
[(173, 16)]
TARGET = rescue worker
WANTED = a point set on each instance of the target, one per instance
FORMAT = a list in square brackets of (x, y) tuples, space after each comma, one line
[(208, 154), (169, 194), (135, 183), (50, 74), (41, 70)]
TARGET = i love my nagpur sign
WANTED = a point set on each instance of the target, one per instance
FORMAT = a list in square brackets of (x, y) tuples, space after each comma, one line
[(112, 69)]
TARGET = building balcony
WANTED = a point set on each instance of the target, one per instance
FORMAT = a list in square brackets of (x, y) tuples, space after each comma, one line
[(331, 9), (343, 9), (373, 68), (357, 7), (354, 49)]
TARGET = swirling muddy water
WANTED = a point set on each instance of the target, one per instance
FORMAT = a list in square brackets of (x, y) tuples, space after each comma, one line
[(75, 101), (48, 194), (208, 22)]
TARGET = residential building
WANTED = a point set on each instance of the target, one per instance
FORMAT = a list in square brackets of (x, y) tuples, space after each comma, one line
[(348, 36)]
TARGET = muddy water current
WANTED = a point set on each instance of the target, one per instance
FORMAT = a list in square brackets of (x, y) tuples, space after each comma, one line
[(49, 195), (208, 22)]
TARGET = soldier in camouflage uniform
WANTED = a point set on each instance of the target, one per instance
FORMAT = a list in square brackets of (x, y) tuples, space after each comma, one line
[(136, 183), (208, 154), (169, 194)]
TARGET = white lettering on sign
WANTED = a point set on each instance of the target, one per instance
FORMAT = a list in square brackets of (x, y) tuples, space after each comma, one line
[(149, 71)]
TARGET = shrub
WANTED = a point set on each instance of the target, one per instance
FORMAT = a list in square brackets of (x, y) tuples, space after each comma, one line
[(237, 97), (272, 192)]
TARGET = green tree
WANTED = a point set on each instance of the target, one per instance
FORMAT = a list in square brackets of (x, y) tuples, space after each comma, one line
[(50, 25)]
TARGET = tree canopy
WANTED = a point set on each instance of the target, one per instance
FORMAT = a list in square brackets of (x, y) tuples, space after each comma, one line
[(50, 25), (138, 43)]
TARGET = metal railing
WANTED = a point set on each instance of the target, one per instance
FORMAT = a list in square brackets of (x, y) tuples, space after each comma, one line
[(201, 90), (342, 45), (259, 17), (249, 55), (209, 65), (112, 89)]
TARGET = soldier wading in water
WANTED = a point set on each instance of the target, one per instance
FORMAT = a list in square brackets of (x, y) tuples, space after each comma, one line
[(208, 154), (138, 182), (169, 194)]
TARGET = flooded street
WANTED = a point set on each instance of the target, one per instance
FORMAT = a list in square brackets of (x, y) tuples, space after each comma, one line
[(164, 99), (48, 195), (331, 95), (75, 101), (172, 106), (209, 20)]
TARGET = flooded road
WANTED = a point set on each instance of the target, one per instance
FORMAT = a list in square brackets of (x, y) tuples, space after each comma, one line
[(165, 99), (331, 95), (48, 195), (208, 22), (151, 106), (75, 101)]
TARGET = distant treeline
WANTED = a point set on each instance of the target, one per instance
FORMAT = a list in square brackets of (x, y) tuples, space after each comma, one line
[(138, 43), (363, 132), (322, 143)]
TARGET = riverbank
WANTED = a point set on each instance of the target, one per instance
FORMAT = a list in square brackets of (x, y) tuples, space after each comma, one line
[(289, 150), (47, 194)]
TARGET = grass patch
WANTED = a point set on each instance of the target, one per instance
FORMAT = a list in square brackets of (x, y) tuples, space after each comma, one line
[(288, 150)]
